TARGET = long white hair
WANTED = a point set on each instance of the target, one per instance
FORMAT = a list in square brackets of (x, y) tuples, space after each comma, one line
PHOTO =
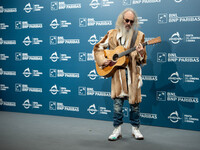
[(120, 19), (121, 27)]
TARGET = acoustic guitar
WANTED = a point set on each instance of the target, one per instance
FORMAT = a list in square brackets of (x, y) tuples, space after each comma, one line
[(119, 58)]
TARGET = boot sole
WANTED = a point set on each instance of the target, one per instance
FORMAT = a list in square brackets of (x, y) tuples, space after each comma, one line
[(142, 138), (119, 137)]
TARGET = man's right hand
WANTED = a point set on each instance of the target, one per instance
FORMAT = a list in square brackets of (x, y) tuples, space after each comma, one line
[(107, 62)]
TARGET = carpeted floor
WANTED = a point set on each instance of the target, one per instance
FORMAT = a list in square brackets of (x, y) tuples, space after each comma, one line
[(20, 131)]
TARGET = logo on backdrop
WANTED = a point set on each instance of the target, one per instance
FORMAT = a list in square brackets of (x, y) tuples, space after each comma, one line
[(35, 73), (172, 57), (92, 109), (6, 103), (93, 40), (102, 110), (63, 24), (3, 26), (164, 18), (7, 10), (104, 3), (36, 7), (149, 78), (142, 20), (134, 2), (25, 56), (83, 91), (3, 57), (174, 78), (54, 40), (7, 42), (7, 73), (3, 87), (63, 57), (84, 22), (172, 97), (186, 118), (148, 116), (83, 56), (27, 104), (174, 117), (61, 73), (60, 106), (35, 41), (175, 38), (26, 25), (25, 88), (61, 5), (62, 90), (178, 1), (93, 75)]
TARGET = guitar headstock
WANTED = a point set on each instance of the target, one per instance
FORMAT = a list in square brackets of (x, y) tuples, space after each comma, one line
[(154, 41)]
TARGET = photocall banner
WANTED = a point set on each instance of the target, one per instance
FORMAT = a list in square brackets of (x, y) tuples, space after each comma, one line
[(47, 65)]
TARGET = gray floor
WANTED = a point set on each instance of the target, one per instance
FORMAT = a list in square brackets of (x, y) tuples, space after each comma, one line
[(20, 131)]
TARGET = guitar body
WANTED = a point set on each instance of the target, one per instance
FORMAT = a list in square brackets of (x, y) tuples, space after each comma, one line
[(111, 68), (119, 58)]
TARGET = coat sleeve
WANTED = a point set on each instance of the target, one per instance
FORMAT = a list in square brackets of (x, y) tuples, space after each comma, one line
[(141, 60), (99, 50)]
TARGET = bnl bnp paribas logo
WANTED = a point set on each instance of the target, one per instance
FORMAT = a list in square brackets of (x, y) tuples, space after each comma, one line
[(84, 22), (104, 3), (164, 18)]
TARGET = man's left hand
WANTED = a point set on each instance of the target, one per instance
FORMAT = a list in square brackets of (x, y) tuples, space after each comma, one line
[(140, 49)]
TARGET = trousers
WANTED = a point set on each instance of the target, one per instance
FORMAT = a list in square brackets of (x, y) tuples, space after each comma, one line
[(134, 113)]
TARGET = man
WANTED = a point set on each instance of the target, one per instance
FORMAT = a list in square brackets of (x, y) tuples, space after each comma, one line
[(126, 82)]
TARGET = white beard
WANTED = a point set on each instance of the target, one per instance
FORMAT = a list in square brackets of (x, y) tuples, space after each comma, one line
[(127, 34)]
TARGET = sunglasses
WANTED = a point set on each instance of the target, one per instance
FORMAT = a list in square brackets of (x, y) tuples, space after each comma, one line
[(127, 21)]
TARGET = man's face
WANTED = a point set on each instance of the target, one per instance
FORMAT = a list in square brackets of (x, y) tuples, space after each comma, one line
[(128, 20)]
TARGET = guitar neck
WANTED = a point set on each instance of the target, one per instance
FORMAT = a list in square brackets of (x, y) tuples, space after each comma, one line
[(130, 50)]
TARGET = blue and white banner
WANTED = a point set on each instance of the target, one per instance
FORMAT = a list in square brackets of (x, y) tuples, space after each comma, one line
[(47, 64)]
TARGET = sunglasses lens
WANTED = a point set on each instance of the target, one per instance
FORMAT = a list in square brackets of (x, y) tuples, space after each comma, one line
[(127, 21)]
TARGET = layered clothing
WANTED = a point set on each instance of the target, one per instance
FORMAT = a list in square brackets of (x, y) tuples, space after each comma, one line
[(122, 85)]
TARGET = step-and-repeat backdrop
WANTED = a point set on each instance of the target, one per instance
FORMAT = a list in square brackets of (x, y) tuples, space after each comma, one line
[(47, 65)]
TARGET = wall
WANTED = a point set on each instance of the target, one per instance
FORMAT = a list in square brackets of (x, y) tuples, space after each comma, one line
[(47, 65)]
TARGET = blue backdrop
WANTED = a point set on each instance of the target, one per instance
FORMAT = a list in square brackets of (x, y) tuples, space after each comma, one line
[(47, 65)]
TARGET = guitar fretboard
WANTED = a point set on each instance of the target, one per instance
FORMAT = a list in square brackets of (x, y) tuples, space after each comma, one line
[(130, 50)]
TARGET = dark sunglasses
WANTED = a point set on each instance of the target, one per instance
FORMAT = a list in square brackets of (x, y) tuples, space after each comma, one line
[(127, 21)]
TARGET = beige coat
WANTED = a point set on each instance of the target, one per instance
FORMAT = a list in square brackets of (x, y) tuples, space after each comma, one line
[(119, 88)]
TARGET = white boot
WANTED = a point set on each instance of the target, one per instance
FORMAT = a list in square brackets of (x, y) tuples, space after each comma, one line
[(136, 133), (116, 134)]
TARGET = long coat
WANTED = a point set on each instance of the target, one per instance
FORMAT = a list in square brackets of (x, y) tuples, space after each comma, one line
[(119, 86)]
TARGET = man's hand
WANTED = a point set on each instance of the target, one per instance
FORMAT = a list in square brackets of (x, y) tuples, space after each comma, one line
[(140, 49), (106, 63)]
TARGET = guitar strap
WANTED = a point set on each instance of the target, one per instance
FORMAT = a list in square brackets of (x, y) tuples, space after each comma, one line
[(134, 37)]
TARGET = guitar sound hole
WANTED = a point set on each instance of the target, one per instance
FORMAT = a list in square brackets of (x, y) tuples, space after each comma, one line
[(115, 57)]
